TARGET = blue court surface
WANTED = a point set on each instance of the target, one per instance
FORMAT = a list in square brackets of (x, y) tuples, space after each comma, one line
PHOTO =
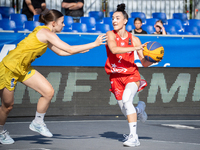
[(103, 133)]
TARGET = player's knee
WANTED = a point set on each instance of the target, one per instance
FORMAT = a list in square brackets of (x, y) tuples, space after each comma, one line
[(49, 93), (10, 108), (130, 109), (7, 107)]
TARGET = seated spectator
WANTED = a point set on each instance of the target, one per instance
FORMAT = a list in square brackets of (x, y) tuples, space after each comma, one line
[(138, 25), (73, 8), (33, 7), (159, 28)]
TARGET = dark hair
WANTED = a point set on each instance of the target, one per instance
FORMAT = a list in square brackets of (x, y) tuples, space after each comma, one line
[(121, 8), (137, 19), (159, 21), (49, 15)]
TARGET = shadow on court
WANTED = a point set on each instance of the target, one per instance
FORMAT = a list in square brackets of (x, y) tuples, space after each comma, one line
[(36, 139), (119, 137), (103, 134), (39, 139)]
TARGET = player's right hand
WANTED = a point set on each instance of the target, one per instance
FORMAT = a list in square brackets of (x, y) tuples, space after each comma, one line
[(101, 39)]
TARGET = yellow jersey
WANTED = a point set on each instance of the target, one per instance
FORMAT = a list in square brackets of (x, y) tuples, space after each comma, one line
[(30, 48)]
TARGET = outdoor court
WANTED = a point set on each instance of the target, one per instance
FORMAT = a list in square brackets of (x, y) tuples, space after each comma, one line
[(103, 133)]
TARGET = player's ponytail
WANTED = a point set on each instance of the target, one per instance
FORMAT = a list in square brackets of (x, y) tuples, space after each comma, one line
[(121, 8), (41, 18), (49, 15)]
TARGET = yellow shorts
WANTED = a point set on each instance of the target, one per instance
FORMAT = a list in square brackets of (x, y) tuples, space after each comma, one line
[(9, 79)]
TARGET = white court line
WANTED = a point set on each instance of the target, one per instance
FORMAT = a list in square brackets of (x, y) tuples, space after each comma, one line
[(62, 136), (170, 142), (148, 121), (70, 121), (178, 126), (14, 135), (31, 149)]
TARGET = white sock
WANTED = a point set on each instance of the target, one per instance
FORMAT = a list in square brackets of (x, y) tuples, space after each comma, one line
[(133, 127), (1, 128), (39, 117)]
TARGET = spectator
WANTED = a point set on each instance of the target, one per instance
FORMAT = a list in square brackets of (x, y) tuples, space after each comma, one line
[(159, 28), (73, 8), (138, 25), (33, 7)]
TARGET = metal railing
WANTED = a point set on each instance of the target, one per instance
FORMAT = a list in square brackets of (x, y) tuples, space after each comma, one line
[(150, 6), (169, 7)]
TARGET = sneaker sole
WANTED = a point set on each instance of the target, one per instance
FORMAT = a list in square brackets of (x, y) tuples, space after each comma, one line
[(33, 129), (7, 143), (131, 145), (8, 140)]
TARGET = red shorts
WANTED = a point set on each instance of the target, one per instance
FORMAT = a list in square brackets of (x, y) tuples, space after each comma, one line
[(119, 82)]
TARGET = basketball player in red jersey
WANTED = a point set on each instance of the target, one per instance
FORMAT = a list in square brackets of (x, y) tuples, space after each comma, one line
[(124, 75)]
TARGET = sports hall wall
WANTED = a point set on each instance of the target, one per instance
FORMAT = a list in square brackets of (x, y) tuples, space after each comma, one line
[(82, 86)]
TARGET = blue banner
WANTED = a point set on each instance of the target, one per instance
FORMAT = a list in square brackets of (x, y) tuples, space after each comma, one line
[(180, 51)]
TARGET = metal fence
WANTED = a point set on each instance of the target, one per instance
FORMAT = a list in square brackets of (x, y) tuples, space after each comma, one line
[(151, 6), (169, 7)]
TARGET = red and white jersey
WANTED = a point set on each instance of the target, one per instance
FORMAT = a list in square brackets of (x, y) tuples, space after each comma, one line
[(121, 63)]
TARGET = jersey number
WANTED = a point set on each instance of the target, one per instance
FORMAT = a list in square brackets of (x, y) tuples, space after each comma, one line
[(120, 58)]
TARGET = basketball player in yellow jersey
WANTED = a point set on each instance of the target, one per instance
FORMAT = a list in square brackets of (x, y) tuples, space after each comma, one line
[(16, 66)]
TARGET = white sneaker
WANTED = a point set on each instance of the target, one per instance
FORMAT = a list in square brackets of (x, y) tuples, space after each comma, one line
[(5, 138), (125, 137), (143, 115), (132, 141), (40, 128)]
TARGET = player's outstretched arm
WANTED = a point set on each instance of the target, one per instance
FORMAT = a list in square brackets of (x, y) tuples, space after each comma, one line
[(64, 49)]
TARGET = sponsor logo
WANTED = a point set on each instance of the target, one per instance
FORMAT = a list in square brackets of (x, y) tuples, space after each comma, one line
[(122, 43), (116, 69), (37, 128), (158, 57), (129, 41), (12, 82), (29, 72)]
